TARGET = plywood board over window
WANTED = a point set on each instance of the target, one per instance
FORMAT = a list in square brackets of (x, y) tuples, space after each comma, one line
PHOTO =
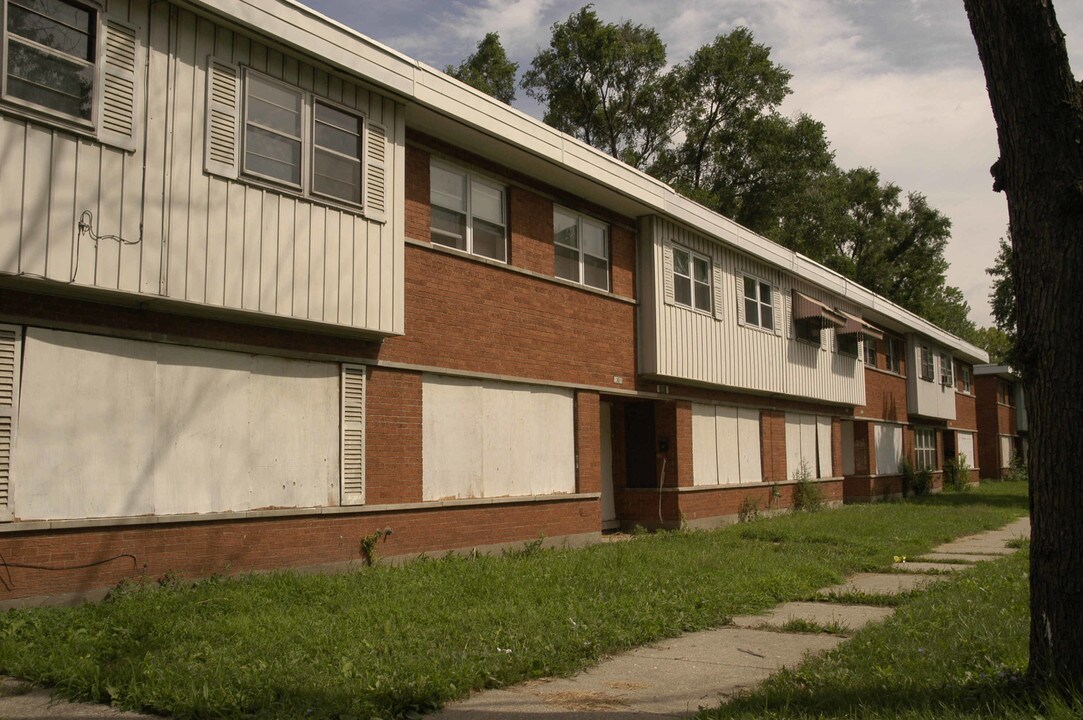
[(808, 445), (889, 448), (725, 445), (493, 439)]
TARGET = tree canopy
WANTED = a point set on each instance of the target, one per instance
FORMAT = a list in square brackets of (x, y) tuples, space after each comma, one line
[(488, 69)]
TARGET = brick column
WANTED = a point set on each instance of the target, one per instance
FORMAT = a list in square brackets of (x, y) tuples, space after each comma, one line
[(588, 442), (773, 445)]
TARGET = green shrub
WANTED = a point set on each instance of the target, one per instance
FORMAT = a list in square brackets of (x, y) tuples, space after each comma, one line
[(923, 482), (957, 473), (1017, 470), (909, 476), (750, 510), (807, 495)]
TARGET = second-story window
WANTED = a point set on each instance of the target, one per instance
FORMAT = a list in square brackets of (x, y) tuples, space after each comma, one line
[(468, 213), (49, 56), (582, 249), (947, 379), (870, 351), (962, 372), (893, 355), (691, 279), (273, 130), (336, 153), (759, 307), (928, 370)]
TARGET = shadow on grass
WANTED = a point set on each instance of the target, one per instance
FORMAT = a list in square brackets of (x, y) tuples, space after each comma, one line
[(963, 499)]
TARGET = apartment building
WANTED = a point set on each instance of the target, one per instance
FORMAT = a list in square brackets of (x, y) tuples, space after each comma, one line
[(268, 287), (1002, 419)]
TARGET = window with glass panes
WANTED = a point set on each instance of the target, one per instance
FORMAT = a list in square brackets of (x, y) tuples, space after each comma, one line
[(870, 352), (759, 307), (337, 147), (468, 213), (893, 355), (947, 379), (273, 125), (925, 449), (50, 49), (691, 279), (581, 248)]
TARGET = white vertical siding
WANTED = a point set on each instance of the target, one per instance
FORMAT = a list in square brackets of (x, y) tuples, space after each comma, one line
[(717, 348), (924, 397), (204, 239)]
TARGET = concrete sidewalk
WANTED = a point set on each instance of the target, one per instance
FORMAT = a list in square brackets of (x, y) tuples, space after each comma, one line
[(670, 679)]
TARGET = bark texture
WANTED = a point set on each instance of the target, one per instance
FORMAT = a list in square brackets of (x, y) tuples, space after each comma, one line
[(1038, 108)]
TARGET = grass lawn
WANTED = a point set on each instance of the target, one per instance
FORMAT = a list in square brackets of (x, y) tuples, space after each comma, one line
[(396, 641), (958, 650)]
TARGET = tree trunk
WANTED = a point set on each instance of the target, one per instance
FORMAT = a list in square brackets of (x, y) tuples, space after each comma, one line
[(1038, 108)]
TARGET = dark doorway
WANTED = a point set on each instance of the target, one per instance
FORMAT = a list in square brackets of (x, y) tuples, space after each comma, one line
[(639, 442)]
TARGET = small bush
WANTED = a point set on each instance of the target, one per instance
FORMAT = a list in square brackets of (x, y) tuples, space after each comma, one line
[(957, 473), (750, 510), (807, 495), (909, 476), (923, 482), (1017, 471)]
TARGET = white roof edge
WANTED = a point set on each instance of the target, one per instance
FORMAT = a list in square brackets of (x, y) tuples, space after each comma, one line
[(307, 30), (1005, 371)]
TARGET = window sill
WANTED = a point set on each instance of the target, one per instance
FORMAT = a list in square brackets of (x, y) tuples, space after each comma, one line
[(296, 194), (758, 328), (38, 117), (436, 247), (698, 311)]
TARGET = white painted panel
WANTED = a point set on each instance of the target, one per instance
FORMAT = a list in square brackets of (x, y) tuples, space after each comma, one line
[(889, 446), (793, 444), (452, 436), (1006, 451), (808, 443), (964, 447), (704, 447), (163, 429), (728, 436), (748, 428), (823, 446), (496, 439), (847, 447)]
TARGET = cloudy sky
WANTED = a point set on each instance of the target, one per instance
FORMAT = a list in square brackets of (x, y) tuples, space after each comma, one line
[(897, 83)]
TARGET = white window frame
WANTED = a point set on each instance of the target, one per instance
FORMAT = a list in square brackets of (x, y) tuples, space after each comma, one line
[(316, 100), (471, 179), (966, 380), (927, 364), (302, 140), (760, 305), (689, 281), (87, 123), (307, 139), (581, 221), (925, 452), (947, 374), (869, 347)]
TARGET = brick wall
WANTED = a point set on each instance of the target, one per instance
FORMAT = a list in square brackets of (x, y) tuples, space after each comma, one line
[(393, 437), (588, 442), (234, 546), (885, 397)]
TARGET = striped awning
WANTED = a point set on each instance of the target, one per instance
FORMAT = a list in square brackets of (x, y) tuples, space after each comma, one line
[(857, 326), (806, 308)]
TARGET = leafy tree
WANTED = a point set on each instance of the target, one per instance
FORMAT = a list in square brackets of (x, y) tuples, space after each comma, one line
[(606, 84), (1002, 299), (996, 342), (488, 69), (1038, 107), (725, 87)]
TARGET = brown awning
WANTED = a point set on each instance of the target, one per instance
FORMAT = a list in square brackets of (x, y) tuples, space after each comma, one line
[(857, 326), (806, 308)]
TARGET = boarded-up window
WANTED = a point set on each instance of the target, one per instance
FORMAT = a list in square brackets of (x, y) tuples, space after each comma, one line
[(808, 445), (889, 448), (1006, 451), (964, 448), (725, 445), (492, 439), (112, 428)]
